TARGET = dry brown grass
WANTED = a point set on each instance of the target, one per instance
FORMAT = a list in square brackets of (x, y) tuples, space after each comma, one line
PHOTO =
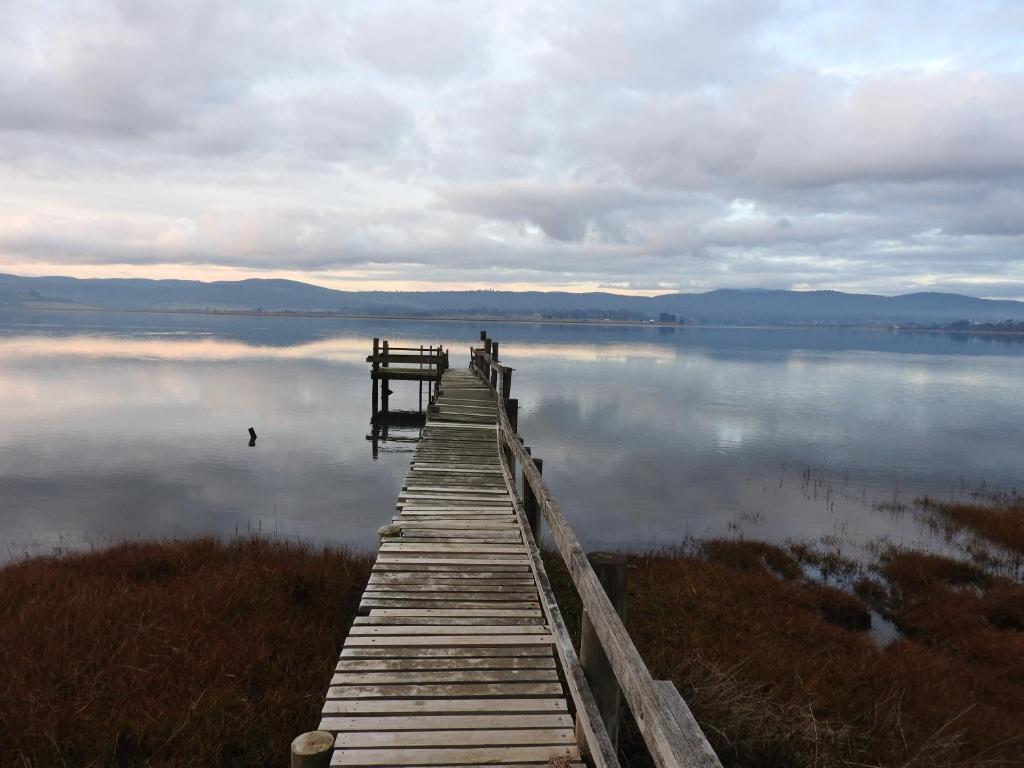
[(779, 680), (1000, 522), (780, 672), (170, 654)]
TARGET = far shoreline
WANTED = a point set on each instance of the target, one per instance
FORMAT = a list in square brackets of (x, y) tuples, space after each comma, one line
[(496, 319)]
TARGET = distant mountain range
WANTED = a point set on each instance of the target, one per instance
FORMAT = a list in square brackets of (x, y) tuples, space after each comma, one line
[(714, 307)]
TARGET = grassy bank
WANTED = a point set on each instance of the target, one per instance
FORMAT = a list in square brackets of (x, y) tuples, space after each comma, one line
[(206, 653), (170, 654)]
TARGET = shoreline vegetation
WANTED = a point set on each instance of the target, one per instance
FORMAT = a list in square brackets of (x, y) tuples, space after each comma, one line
[(1012, 329), (206, 652)]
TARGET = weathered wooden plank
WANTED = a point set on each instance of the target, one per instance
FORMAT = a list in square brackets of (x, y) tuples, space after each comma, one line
[(453, 756), (418, 677), (451, 621), (702, 755), (396, 630), (494, 662), (460, 598), (441, 592), (448, 611), (355, 641), (470, 489), (495, 549), (443, 722), (496, 578), (434, 560), (443, 690), (496, 737), (427, 652), (442, 706), (409, 564)]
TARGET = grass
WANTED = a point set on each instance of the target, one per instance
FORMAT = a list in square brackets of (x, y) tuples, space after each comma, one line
[(1000, 522), (779, 670), (202, 652), (178, 653)]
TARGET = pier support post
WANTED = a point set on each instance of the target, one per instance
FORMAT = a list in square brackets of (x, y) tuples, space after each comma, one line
[(373, 375), (611, 570), (512, 411), (530, 505), (385, 390), (312, 750)]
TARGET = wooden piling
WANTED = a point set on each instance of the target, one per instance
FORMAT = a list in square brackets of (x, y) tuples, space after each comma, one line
[(611, 570), (385, 383), (374, 366), (312, 750), (530, 505)]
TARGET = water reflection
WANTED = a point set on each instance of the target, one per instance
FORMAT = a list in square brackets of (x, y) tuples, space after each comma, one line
[(126, 424)]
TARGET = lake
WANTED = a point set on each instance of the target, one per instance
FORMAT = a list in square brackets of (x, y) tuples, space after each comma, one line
[(126, 425)]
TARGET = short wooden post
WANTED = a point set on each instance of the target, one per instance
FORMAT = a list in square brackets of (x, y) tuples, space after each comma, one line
[(487, 346), (530, 505), (421, 380), (611, 570), (385, 389), (312, 750), (373, 375)]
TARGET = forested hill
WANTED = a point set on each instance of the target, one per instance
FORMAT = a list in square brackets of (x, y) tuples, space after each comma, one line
[(720, 306)]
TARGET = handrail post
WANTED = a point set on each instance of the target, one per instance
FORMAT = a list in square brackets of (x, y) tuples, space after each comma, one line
[(494, 365), (530, 505), (611, 570)]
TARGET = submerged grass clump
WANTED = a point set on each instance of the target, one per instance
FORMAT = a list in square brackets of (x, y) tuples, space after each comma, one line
[(1001, 521), (176, 653)]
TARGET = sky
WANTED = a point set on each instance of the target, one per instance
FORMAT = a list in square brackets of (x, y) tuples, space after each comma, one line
[(636, 147)]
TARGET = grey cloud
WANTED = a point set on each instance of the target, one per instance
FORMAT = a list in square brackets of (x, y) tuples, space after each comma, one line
[(700, 144)]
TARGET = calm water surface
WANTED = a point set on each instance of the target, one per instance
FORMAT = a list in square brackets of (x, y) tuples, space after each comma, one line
[(120, 425)]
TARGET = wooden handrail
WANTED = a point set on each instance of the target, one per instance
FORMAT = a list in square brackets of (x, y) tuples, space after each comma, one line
[(670, 732)]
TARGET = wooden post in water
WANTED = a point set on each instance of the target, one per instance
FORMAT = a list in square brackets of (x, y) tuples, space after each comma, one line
[(421, 380), (385, 388), (373, 375), (312, 750), (530, 505), (611, 570), (512, 411)]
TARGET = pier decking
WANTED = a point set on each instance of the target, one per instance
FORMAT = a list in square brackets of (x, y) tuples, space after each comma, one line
[(453, 662), (461, 657)]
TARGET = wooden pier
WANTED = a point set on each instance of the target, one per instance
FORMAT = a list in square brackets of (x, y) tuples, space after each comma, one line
[(461, 656)]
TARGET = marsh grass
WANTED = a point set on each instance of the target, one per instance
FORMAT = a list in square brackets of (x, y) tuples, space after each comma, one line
[(203, 652), (177, 653), (775, 661)]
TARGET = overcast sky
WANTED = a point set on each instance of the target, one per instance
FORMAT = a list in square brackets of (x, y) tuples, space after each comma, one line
[(643, 146)]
